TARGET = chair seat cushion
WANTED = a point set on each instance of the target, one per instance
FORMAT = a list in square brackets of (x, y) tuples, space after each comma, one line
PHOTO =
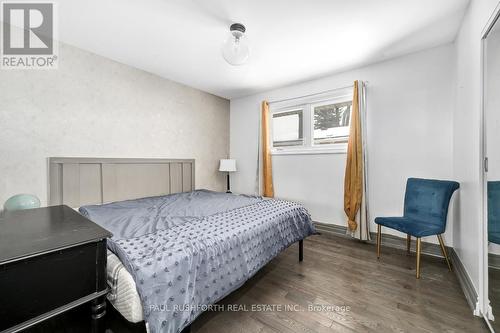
[(410, 226)]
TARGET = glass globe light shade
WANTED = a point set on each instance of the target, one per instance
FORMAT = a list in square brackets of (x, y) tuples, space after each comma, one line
[(235, 50)]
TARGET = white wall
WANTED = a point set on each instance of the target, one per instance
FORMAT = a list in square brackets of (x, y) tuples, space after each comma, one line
[(492, 103), (409, 117), (492, 111), (466, 138), (92, 106)]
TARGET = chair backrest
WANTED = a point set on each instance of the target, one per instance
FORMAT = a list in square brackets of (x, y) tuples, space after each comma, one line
[(427, 200), (493, 207)]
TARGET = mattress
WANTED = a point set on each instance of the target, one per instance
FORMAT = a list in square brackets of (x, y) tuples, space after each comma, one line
[(123, 292)]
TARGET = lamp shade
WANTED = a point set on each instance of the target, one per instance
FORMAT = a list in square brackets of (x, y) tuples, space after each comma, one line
[(235, 50), (227, 165)]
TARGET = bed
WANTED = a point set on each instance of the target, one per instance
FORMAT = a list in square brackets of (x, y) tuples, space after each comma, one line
[(175, 253)]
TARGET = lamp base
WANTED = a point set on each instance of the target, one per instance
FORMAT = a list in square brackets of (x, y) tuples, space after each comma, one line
[(228, 184)]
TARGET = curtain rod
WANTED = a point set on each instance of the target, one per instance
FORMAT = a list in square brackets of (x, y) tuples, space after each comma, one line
[(310, 95)]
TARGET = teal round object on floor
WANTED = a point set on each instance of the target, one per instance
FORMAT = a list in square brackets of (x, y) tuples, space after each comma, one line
[(21, 201)]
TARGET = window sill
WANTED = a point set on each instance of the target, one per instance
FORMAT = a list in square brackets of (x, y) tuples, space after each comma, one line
[(311, 151)]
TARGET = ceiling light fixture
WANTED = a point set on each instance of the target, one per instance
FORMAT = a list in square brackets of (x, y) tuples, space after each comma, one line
[(235, 49)]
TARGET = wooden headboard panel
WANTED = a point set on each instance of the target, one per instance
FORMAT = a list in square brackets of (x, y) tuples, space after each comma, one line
[(85, 181)]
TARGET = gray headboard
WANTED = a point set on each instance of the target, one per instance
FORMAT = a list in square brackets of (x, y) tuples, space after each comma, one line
[(84, 181)]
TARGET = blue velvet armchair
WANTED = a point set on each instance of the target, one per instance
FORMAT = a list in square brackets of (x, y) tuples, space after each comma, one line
[(494, 212), (425, 210)]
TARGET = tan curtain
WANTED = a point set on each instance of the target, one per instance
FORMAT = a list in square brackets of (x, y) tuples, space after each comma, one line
[(267, 169), (353, 181)]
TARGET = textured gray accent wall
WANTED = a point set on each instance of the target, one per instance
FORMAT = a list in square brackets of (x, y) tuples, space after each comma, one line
[(95, 107)]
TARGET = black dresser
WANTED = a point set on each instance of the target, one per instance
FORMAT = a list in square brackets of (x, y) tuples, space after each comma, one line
[(51, 260)]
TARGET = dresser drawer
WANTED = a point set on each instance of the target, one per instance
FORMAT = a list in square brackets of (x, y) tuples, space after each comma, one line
[(40, 284)]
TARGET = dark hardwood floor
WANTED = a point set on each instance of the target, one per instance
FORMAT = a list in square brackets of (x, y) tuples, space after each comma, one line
[(339, 287)]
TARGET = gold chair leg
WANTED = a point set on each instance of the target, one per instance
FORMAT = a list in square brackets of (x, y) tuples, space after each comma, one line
[(419, 248), (379, 239), (443, 249), (408, 243)]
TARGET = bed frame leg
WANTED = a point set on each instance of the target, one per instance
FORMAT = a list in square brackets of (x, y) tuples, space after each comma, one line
[(301, 250), (186, 329), (98, 312)]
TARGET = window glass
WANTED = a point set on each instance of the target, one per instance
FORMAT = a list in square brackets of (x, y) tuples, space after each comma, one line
[(331, 123), (288, 129)]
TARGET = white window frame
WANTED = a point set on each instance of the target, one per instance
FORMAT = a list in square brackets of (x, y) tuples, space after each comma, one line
[(307, 106)]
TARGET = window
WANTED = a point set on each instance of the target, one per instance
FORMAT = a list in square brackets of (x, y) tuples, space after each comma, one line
[(288, 129), (331, 123), (311, 125)]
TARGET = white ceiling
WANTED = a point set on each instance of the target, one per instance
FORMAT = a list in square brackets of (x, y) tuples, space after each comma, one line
[(290, 40)]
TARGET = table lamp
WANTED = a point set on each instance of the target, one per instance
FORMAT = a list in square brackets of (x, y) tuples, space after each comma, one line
[(228, 166)]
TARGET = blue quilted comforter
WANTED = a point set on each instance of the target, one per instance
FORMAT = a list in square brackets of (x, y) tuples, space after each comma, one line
[(188, 250)]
